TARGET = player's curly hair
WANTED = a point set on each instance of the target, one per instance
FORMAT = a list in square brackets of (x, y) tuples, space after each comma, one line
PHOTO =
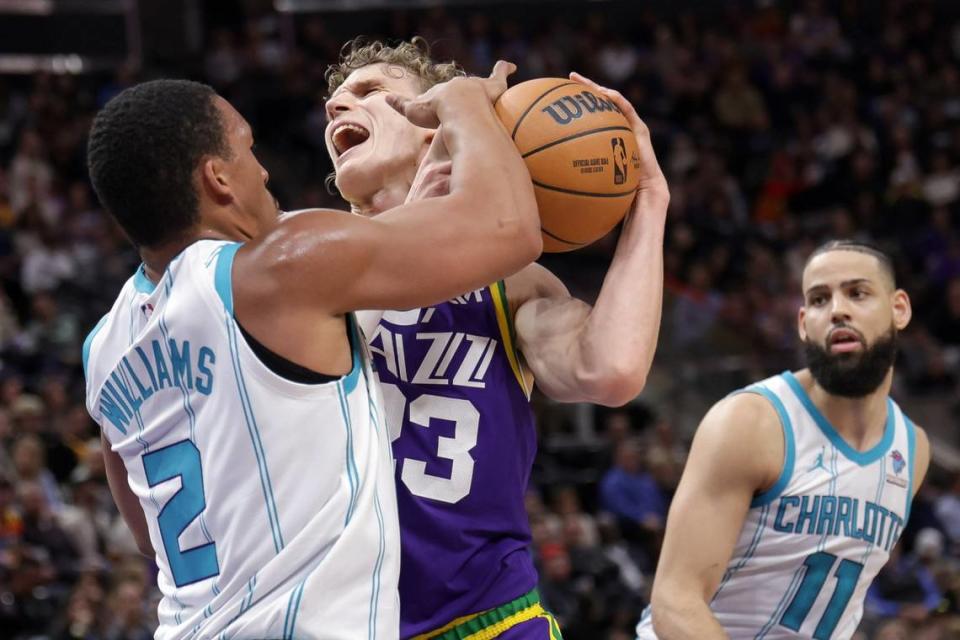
[(414, 56), (142, 151)]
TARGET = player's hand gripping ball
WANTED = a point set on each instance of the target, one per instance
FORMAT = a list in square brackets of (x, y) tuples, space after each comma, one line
[(581, 154)]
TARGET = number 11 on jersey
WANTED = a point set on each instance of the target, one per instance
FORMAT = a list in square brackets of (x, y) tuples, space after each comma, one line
[(816, 571)]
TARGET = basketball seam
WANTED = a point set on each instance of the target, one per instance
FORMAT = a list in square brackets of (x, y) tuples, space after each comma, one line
[(513, 135), (573, 137), (574, 192), (558, 238)]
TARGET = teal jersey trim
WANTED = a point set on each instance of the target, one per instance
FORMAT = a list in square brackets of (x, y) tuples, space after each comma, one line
[(751, 550), (862, 458), (789, 446), (375, 582), (293, 609), (356, 346), (141, 282), (254, 431), (223, 283), (911, 457), (88, 342), (223, 275), (353, 475)]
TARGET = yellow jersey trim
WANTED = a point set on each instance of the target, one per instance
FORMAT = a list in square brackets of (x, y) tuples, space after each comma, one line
[(504, 320)]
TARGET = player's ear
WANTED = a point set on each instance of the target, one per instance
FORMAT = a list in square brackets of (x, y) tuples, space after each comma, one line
[(214, 180), (902, 310), (801, 329)]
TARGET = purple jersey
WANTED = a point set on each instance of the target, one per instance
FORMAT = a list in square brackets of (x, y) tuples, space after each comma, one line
[(464, 441)]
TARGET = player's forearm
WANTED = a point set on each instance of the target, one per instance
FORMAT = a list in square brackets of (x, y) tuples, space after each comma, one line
[(684, 618), (619, 337), (488, 172)]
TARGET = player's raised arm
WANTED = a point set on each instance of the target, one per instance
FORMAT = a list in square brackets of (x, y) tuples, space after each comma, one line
[(602, 354), (425, 251), (737, 452)]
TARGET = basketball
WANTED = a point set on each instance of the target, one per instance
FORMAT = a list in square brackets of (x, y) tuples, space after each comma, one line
[(581, 154)]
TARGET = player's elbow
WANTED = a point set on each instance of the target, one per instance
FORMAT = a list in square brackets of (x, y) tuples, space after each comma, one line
[(666, 607), (613, 386)]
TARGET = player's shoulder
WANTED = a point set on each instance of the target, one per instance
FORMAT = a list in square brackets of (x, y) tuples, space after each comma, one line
[(532, 282), (751, 410), (741, 442), (743, 421), (106, 338)]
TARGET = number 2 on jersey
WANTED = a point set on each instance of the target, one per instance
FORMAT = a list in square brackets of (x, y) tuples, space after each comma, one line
[(817, 571), (182, 460), (466, 420)]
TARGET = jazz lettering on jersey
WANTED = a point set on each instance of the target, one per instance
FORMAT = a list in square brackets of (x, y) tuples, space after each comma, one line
[(148, 370), (839, 516), (452, 358)]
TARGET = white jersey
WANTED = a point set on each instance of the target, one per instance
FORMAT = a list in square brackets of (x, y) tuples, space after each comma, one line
[(270, 503), (812, 544)]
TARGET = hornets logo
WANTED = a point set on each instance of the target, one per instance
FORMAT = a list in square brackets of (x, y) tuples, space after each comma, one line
[(898, 462)]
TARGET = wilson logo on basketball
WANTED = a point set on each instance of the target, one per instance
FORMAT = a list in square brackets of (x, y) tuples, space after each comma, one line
[(569, 108)]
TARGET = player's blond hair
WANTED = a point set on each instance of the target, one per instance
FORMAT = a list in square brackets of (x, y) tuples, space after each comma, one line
[(414, 56)]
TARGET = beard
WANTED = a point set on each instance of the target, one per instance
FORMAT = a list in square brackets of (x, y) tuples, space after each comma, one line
[(852, 375)]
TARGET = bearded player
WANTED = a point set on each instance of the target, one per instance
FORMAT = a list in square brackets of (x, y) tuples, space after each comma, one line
[(797, 487), (457, 376)]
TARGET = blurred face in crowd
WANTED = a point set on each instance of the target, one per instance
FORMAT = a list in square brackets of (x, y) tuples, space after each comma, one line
[(28, 456), (6, 425), (849, 321), (32, 500), (127, 602), (375, 150), (628, 457)]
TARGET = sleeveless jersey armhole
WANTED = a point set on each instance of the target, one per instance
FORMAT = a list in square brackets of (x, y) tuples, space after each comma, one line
[(279, 365), (501, 307), (789, 448), (911, 457)]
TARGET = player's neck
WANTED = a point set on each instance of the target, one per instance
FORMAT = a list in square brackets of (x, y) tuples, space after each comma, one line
[(156, 259), (386, 198), (860, 421)]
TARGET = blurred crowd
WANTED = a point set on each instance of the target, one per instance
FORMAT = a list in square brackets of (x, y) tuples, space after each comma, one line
[(779, 125)]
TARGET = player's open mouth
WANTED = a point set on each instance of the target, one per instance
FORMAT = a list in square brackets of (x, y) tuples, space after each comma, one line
[(347, 135), (844, 341)]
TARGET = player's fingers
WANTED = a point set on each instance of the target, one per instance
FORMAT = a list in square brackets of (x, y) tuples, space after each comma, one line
[(622, 103), (648, 158), (420, 112), (496, 83), (399, 103), (576, 77), (502, 69)]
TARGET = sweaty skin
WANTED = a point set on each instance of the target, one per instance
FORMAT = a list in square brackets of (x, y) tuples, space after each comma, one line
[(297, 276), (576, 353)]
